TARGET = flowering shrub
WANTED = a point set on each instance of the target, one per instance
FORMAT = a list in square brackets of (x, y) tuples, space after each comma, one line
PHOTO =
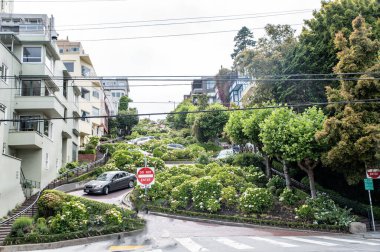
[(205, 192), (181, 195), (256, 200), (72, 217), (288, 197), (229, 197), (323, 210), (255, 175), (113, 217), (49, 203)]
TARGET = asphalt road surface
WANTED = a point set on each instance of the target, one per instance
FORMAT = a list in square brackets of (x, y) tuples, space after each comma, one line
[(172, 235)]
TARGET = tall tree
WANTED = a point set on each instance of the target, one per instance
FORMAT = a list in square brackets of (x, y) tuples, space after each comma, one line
[(354, 131), (243, 40), (316, 54), (234, 127), (266, 59)]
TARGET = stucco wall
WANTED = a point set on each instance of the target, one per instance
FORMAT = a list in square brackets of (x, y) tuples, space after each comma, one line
[(11, 192)]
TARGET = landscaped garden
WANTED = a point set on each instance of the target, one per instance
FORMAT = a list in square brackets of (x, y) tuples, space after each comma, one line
[(63, 217)]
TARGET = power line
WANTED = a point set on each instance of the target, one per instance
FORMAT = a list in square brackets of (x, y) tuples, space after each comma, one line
[(363, 101), (177, 23), (186, 18), (64, 1)]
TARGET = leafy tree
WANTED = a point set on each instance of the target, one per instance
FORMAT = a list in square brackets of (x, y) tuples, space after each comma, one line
[(124, 102), (243, 40), (266, 58), (251, 129), (302, 146), (209, 125), (353, 131), (179, 120), (316, 54), (275, 134), (234, 127), (126, 119)]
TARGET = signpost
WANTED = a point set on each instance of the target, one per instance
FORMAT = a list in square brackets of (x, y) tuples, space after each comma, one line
[(368, 185)]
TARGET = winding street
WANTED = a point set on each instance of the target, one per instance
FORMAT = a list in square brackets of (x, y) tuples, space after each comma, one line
[(168, 234)]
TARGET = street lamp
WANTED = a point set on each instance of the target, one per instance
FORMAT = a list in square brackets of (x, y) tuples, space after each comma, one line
[(173, 104)]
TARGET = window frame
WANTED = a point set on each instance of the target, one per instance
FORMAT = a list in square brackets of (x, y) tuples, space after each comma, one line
[(32, 62)]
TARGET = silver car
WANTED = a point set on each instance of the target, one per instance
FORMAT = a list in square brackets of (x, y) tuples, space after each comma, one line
[(110, 181)]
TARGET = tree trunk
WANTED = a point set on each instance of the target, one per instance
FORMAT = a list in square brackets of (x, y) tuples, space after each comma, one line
[(313, 192), (286, 174), (268, 167), (308, 167)]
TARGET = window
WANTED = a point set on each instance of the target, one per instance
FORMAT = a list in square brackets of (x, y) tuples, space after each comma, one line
[(86, 72), (95, 111), (113, 94), (46, 127), (210, 84), (74, 152), (31, 88), (84, 116), (95, 94), (64, 88), (69, 66), (29, 123), (32, 54), (4, 71), (85, 94), (75, 49), (60, 50)]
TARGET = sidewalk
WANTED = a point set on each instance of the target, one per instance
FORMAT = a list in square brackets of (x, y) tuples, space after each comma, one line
[(372, 235)]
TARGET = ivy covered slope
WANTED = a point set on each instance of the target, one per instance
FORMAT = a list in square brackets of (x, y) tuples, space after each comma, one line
[(63, 217), (241, 194)]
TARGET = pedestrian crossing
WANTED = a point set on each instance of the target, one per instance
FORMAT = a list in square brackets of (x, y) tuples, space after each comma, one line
[(255, 243)]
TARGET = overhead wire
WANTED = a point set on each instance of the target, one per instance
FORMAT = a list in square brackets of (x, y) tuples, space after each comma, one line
[(345, 102)]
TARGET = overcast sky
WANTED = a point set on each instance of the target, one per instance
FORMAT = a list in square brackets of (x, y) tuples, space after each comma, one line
[(182, 55)]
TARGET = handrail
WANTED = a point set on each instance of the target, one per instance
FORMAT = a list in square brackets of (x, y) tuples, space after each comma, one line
[(53, 182), (23, 211)]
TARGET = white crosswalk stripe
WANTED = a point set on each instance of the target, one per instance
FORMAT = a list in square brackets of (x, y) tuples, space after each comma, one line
[(347, 240), (310, 241), (232, 243), (282, 244), (191, 245)]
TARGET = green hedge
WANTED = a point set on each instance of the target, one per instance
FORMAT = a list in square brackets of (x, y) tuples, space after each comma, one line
[(240, 219), (37, 238)]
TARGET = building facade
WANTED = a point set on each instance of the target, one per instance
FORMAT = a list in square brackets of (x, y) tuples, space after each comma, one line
[(38, 96), (92, 100), (204, 86), (237, 89), (114, 90)]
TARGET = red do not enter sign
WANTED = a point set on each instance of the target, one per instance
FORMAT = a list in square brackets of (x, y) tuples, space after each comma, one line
[(145, 176), (373, 173)]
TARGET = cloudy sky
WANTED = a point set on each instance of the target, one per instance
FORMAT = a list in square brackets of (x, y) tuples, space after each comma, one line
[(125, 53)]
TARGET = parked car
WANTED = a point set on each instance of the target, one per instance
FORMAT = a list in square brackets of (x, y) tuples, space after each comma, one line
[(225, 153), (174, 146), (143, 140), (110, 181)]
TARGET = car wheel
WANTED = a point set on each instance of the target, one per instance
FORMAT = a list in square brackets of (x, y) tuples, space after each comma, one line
[(106, 190), (131, 183)]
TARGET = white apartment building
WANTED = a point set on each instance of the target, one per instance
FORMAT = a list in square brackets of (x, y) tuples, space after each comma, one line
[(114, 89), (37, 94), (92, 99)]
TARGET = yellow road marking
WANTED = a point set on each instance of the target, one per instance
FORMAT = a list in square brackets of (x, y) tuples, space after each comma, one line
[(124, 248)]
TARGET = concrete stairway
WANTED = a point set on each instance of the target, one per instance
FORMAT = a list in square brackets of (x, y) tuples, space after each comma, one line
[(5, 228)]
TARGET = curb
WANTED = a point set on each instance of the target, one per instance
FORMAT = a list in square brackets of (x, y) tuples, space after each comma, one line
[(67, 243), (126, 201), (236, 224)]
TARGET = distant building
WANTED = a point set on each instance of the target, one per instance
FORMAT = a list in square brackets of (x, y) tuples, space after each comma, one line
[(237, 89), (114, 90), (92, 98), (204, 86), (6, 6)]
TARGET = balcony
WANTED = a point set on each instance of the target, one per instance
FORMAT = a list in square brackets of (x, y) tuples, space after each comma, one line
[(39, 71), (25, 139), (49, 105)]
